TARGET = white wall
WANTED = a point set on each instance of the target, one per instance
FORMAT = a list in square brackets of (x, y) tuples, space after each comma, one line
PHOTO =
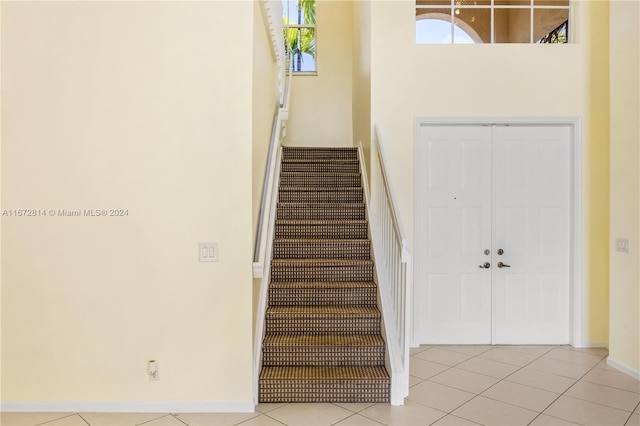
[(321, 105), (624, 345), (144, 106), (265, 98), (362, 75), (410, 80)]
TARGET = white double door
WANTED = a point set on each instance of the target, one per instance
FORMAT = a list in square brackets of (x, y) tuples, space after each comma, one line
[(493, 232)]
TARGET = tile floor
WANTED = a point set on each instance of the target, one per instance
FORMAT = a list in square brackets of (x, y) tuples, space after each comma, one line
[(450, 385)]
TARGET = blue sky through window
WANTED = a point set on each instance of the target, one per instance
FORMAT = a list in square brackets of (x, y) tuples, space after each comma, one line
[(437, 31)]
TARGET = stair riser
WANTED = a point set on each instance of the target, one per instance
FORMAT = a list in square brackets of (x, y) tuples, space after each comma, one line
[(357, 230), (318, 356), (320, 180), (323, 297), (347, 249), (326, 196), (289, 153), (321, 212), (320, 167), (303, 324), (323, 391), (290, 272)]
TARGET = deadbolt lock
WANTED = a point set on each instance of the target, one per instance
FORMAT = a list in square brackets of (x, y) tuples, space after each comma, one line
[(500, 252), (487, 252)]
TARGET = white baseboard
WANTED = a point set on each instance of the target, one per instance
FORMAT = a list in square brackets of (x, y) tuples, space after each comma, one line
[(624, 368), (130, 407)]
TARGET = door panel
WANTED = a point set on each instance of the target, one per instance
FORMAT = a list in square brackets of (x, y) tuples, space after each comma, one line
[(452, 294), (532, 225)]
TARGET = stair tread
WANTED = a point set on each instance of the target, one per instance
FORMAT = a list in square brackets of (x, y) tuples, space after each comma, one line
[(345, 262), (321, 373), (321, 240), (318, 222), (320, 189), (348, 340), (322, 310), (323, 284)]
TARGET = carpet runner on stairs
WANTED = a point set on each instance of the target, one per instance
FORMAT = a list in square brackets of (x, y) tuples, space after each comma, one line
[(323, 340)]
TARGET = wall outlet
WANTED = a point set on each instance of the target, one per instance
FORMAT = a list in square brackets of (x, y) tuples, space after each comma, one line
[(152, 370), (622, 245), (208, 252)]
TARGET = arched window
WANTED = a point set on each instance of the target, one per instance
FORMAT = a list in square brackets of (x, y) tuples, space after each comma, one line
[(436, 28)]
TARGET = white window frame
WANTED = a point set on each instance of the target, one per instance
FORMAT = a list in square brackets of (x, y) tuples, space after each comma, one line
[(493, 7)]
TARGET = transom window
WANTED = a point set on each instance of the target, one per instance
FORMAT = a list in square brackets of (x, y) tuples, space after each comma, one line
[(492, 21), (299, 18)]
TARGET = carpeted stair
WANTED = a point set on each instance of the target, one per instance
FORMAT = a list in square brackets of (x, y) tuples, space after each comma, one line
[(323, 338)]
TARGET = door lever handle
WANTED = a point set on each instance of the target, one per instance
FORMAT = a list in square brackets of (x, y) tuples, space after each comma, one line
[(503, 265), (485, 265)]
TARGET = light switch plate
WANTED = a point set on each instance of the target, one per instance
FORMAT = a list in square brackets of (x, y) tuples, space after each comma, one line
[(622, 245), (208, 252)]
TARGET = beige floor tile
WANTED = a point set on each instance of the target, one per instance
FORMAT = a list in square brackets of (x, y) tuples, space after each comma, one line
[(409, 414), (119, 419), (574, 357), (605, 395), (424, 369), (357, 420), (29, 419), (414, 381), (519, 359), (473, 350), (615, 379), (452, 420), (165, 421), (597, 351), (215, 419), (585, 412), (559, 368), (465, 380), (602, 365), (265, 408), (531, 350), (413, 351), (443, 356), (438, 396), (538, 379), (488, 367), (261, 420), (545, 420), (310, 414), (74, 420), (489, 412), (637, 409), (354, 407), (634, 420), (523, 396)]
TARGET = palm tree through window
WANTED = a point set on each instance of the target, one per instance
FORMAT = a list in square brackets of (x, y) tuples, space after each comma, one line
[(299, 17)]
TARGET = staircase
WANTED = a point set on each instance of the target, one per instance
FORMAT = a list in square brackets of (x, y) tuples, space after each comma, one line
[(323, 339)]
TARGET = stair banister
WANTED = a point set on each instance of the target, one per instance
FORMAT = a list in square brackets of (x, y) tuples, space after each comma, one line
[(392, 259)]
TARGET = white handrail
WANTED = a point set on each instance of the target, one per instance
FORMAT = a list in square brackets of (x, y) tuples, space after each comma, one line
[(278, 131), (392, 259)]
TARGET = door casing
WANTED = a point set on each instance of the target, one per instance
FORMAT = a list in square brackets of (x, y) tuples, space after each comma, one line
[(577, 314)]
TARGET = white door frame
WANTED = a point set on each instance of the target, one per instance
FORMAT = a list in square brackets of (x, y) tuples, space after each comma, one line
[(577, 314)]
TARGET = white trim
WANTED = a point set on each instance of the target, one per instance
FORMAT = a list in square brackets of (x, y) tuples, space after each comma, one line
[(130, 407), (624, 368), (578, 314), (591, 344)]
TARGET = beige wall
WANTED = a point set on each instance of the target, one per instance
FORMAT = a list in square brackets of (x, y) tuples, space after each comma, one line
[(409, 81), (321, 108), (265, 99), (144, 106), (362, 75), (624, 344)]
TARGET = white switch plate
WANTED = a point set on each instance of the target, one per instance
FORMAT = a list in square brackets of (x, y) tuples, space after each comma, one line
[(622, 245), (208, 252)]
